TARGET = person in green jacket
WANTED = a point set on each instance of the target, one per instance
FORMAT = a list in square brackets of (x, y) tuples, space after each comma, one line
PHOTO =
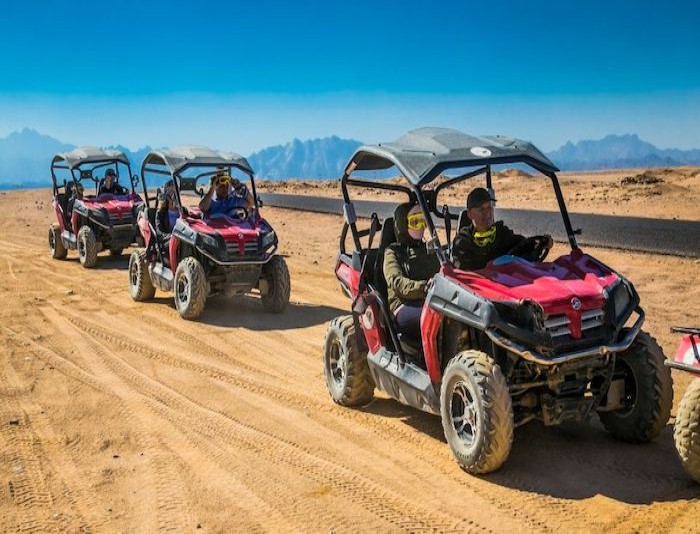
[(407, 267), (484, 239)]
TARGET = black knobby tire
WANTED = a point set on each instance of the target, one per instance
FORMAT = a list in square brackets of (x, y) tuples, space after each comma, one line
[(276, 274), (648, 392), (140, 284), (686, 431), (58, 250), (116, 252), (191, 288), (87, 247), (347, 375), (477, 412)]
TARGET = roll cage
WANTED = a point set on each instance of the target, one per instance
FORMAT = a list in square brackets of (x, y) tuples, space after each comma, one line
[(422, 155), (176, 162), (82, 162)]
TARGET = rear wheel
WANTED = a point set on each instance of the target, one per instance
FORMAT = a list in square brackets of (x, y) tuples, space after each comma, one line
[(686, 431), (140, 284), (190, 288), (87, 247), (648, 392), (347, 374), (58, 251), (276, 276), (477, 412)]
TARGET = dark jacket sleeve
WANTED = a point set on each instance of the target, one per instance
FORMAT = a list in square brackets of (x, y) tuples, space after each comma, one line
[(403, 287), (463, 253), (162, 221)]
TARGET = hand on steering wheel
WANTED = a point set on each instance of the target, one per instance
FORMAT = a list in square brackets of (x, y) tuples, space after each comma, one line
[(238, 213), (533, 248)]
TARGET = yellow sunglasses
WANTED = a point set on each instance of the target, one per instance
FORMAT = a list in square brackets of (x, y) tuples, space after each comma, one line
[(223, 180), (416, 221)]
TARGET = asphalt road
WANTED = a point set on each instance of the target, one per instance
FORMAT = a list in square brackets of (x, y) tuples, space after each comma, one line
[(663, 236)]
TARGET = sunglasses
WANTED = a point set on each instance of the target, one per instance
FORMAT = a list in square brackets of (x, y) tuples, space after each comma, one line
[(223, 180), (416, 221)]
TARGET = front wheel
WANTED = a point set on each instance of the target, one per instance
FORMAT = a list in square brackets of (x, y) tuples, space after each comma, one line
[(686, 430), (58, 251), (87, 247), (275, 276), (191, 288), (647, 395), (345, 366), (140, 284), (477, 412)]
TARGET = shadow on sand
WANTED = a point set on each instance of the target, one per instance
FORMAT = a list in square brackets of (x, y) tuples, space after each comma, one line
[(574, 461)]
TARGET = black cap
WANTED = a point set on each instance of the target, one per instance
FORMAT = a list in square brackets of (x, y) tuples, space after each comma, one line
[(477, 197), (110, 172)]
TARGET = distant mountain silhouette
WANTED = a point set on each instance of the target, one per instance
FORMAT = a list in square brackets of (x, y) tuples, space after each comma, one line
[(619, 151), (315, 158), (25, 157)]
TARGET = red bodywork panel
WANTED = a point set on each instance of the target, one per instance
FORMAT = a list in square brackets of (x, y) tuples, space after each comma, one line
[(232, 230), (59, 214), (686, 353), (114, 204), (553, 285)]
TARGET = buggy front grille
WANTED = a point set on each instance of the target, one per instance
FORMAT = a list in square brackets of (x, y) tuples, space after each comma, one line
[(559, 325)]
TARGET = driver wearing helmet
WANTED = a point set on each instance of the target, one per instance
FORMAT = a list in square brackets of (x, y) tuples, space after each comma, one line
[(484, 239), (225, 194)]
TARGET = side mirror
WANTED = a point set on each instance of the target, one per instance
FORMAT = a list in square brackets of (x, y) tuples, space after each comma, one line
[(134, 180), (259, 202)]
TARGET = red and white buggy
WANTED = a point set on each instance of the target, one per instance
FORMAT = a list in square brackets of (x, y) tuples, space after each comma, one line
[(521, 339)]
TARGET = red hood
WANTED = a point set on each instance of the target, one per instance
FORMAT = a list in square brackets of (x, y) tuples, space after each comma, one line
[(552, 284), (230, 229), (112, 203)]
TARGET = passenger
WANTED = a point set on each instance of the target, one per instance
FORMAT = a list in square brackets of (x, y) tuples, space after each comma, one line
[(109, 185), (167, 214), (407, 268), (225, 194), (484, 240), (76, 194)]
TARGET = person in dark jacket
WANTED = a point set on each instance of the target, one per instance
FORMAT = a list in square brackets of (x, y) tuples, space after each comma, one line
[(166, 216), (483, 240), (407, 267), (109, 185)]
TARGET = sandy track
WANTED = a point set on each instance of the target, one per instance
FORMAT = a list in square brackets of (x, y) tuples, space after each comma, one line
[(119, 416)]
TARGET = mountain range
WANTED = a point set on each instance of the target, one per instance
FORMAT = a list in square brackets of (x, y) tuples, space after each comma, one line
[(25, 157)]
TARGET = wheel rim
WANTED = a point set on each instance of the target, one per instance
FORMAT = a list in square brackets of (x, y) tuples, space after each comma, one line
[(183, 288), (52, 241), (629, 400), (81, 248), (337, 362), (134, 274), (464, 413)]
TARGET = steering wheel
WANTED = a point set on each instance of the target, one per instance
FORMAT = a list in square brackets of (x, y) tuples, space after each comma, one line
[(238, 213), (533, 248)]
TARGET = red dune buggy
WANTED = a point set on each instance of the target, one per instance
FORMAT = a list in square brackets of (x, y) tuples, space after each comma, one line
[(519, 340), (91, 222), (202, 255), (686, 430)]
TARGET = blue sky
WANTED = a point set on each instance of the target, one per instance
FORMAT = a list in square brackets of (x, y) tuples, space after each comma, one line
[(247, 75)]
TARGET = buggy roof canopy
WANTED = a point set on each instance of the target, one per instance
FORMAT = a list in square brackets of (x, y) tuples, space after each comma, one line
[(423, 153), (181, 157), (89, 154)]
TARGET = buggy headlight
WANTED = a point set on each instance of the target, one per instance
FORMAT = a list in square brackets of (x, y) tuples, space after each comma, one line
[(209, 240), (268, 240)]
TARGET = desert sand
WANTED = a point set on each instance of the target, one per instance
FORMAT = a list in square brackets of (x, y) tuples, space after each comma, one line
[(117, 416)]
